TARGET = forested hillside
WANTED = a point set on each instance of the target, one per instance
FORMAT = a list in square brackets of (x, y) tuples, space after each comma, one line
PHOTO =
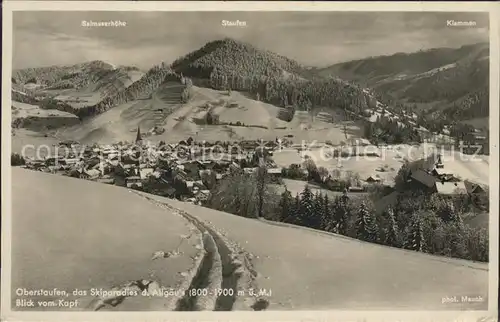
[(59, 76), (143, 88), (229, 56), (96, 76), (449, 84), (229, 64), (441, 85)]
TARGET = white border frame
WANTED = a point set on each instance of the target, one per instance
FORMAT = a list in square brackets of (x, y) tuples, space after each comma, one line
[(10, 6)]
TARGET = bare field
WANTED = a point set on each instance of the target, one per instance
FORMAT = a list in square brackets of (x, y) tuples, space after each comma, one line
[(27, 143), (261, 120), (250, 112), (120, 123), (74, 234), (311, 270), (34, 118), (20, 110)]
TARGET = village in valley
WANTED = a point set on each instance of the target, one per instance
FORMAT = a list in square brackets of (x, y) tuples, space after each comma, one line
[(188, 170), (183, 170), (213, 163)]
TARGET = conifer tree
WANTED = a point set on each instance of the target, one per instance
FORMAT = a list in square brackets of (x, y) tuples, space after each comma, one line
[(366, 226), (326, 213), (262, 179), (392, 234), (306, 210), (402, 176), (340, 214), (457, 218), (455, 240), (293, 216), (285, 205), (415, 239), (297, 204), (477, 246), (447, 212), (316, 219)]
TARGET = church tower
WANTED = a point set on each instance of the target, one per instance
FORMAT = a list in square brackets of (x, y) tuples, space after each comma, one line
[(138, 139)]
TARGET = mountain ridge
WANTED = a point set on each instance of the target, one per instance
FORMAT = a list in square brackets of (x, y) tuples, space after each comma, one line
[(398, 81), (445, 83), (445, 55), (48, 75)]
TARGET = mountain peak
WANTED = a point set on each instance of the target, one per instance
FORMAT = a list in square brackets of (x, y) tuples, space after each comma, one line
[(230, 56), (99, 64)]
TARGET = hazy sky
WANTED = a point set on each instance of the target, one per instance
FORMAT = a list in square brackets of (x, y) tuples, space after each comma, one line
[(313, 38)]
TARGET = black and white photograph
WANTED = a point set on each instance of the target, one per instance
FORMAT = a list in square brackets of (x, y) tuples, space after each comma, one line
[(249, 160)]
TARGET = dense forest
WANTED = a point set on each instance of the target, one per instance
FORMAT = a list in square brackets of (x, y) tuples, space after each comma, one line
[(272, 78), (234, 57), (50, 76), (386, 130), (18, 97), (426, 223)]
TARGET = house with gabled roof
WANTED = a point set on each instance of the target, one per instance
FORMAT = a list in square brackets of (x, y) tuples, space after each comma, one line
[(275, 171), (69, 161), (205, 164), (373, 178), (356, 189), (133, 180), (199, 184), (189, 184), (202, 195), (113, 163), (106, 179), (451, 188), (474, 188), (423, 181), (91, 174), (145, 172), (426, 164)]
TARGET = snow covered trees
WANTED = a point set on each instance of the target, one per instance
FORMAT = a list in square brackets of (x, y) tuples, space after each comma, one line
[(416, 222), (366, 225), (401, 179), (306, 208), (229, 64), (286, 206), (415, 237), (392, 236), (341, 214)]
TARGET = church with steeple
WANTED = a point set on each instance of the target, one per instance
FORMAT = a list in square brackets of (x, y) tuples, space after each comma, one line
[(138, 139)]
